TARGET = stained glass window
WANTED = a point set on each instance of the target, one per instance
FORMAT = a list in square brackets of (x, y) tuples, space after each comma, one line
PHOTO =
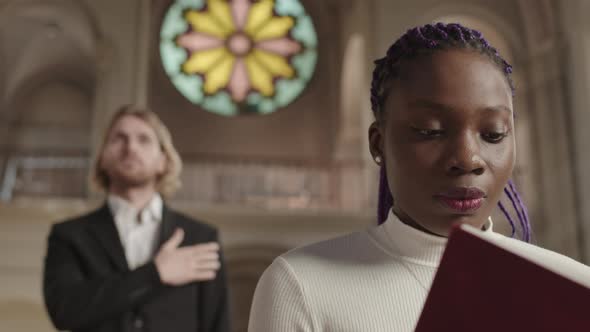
[(238, 56)]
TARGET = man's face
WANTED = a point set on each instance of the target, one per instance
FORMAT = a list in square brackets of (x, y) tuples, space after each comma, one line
[(132, 156)]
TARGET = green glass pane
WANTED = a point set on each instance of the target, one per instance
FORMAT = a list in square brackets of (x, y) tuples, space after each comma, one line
[(289, 8), (305, 63), (254, 98), (190, 87), (172, 57), (288, 90), (221, 103), (171, 27), (194, 4), (305, 32), (266, 107)]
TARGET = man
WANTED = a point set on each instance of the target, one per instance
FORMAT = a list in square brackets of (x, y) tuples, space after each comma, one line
[(134, 264)]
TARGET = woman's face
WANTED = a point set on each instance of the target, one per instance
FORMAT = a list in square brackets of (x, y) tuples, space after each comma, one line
[(447, 140)]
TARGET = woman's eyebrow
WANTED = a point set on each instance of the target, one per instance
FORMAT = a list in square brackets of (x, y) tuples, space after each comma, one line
[(436, 106), (429, 104), (498, 108)]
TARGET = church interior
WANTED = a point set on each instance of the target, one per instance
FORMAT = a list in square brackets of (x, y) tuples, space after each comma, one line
[(272, 170)]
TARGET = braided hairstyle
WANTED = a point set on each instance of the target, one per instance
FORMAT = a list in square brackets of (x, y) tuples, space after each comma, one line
[(426, 40)]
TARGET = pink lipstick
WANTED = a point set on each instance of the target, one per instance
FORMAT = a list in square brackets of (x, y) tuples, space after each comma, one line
[(462, 199)]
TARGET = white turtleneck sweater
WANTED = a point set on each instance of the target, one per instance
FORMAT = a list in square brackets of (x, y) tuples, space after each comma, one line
[(373, 280)]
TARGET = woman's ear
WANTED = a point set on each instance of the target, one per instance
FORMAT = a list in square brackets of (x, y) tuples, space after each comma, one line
[(376, 142)]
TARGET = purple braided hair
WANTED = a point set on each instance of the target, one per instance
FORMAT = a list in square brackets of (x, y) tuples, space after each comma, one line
[(385, 198), (525, 221), (508, 217), (425, 40)]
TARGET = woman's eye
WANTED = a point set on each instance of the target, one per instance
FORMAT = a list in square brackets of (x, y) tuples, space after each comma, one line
[(493, 137), (428, 133)]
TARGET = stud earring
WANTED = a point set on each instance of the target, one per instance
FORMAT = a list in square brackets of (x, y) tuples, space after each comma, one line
[(378, 159)]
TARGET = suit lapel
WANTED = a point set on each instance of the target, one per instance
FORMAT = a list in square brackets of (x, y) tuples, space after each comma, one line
[(103, 227), (168, 225)]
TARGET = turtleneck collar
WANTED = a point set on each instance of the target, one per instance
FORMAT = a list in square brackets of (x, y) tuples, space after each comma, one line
[(411, 244)]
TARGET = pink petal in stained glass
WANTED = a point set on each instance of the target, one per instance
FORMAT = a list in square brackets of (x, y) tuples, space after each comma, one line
[(239, 84), (195, 41), (281, 46), (240, 9)]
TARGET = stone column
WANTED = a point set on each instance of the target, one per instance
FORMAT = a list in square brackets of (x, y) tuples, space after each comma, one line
[(351, 152), (576, 28), (556, 220)]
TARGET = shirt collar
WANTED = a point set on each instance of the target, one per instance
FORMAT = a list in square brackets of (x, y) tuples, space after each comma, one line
[(151, 212)]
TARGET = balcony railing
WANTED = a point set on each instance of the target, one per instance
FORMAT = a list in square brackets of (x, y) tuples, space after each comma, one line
[(42, 176), (206, 182)]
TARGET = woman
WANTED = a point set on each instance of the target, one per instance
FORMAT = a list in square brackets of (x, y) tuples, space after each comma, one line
[(444, 138)]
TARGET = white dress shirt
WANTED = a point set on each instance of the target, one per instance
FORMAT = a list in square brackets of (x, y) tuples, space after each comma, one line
[(139, 231)]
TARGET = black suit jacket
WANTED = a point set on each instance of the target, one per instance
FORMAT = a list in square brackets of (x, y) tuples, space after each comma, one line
[(87, 285)]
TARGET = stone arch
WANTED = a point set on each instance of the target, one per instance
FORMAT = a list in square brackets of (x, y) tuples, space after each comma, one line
[(55, 49), (64, 25), (72, 15), (53, 101)]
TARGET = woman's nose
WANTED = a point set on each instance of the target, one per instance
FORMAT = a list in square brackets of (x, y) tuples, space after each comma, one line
[(464, 156)]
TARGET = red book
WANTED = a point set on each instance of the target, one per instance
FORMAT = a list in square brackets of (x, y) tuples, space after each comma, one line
[(483, 287)]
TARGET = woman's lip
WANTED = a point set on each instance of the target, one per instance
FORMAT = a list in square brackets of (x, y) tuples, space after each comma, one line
[(462, 205), (463, 193)]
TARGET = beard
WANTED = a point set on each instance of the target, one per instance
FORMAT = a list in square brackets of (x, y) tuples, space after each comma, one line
[(137, 176)]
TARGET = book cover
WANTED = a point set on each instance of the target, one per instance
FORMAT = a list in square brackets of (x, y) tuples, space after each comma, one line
[(481, 286)]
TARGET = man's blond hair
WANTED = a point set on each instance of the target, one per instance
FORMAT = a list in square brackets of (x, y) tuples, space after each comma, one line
[(169, 181)]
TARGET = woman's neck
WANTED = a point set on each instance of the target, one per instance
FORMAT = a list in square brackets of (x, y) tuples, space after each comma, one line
[(412, 223)]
